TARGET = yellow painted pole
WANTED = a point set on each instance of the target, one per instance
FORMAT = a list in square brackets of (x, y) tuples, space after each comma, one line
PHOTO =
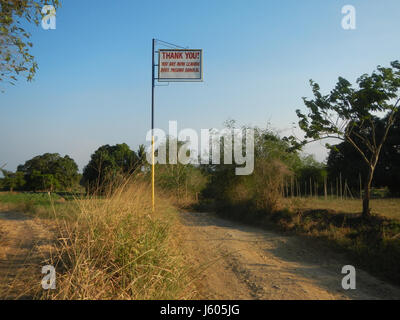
[(152, 173)]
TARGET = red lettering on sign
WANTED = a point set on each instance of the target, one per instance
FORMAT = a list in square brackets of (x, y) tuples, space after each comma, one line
[(192, 70), (192, 55), (179, 64), (172, 55)]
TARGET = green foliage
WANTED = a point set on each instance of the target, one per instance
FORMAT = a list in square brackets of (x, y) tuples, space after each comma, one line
[(184, 181), (15, 57), (38, 199), (345, 109), (50, 172), (108, 164), (12, 181), (262, 190), (388, 170), (388, 166), (311, 169), (349, 114)]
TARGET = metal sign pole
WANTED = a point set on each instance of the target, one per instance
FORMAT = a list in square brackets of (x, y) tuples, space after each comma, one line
[(152, 127), (194, 72)]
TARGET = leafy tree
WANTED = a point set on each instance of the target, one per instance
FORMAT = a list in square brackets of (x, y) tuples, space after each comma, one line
[(274, 161), (12, 181), (141, 153), (2, 179), (35, 180), (50, 172), (340, 156), (349, 113), (387, 172), (15, 57), (311, 169), (389, 164), (50, 182), (185, 181), (107, 164)]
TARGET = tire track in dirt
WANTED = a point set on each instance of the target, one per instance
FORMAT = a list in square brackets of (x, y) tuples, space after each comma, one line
[(26, 244), (243, 262)]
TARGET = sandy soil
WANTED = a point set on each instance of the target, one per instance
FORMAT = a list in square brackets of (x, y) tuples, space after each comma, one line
[(242, 262), (25, 246)]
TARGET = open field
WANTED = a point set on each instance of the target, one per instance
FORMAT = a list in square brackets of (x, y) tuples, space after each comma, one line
[(24, 197), (41, 205), (388, 207)]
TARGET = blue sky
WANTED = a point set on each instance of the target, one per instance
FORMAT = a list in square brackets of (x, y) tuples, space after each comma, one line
[(93, 85)]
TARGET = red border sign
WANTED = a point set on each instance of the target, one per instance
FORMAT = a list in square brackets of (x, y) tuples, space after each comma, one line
[(180, 65)]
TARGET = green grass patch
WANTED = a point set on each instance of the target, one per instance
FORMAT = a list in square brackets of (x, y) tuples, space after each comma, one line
[(42, 199), (38, 204)]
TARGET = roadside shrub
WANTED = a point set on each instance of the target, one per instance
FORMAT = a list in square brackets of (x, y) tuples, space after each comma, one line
[(115, 247)]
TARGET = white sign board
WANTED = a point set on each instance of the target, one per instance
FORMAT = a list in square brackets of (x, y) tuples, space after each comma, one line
[(180, 65)]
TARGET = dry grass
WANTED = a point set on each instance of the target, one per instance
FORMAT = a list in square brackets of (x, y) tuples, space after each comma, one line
[(386, 207), (114, 247), (373, 243)]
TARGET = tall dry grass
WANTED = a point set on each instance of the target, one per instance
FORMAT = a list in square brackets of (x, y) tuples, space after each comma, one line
[(115, 247)]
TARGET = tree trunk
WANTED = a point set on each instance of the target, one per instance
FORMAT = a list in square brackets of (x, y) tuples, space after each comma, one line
[(367, 193)]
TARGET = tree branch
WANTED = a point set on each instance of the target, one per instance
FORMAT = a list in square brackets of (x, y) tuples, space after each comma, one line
[(358, 149)]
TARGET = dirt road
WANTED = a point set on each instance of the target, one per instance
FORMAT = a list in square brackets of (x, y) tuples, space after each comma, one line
[(25, 244), (238, 262), (243, 262)]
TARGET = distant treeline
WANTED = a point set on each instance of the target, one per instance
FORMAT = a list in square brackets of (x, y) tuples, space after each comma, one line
[(276, 163), (52, 172), (342, 175)]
